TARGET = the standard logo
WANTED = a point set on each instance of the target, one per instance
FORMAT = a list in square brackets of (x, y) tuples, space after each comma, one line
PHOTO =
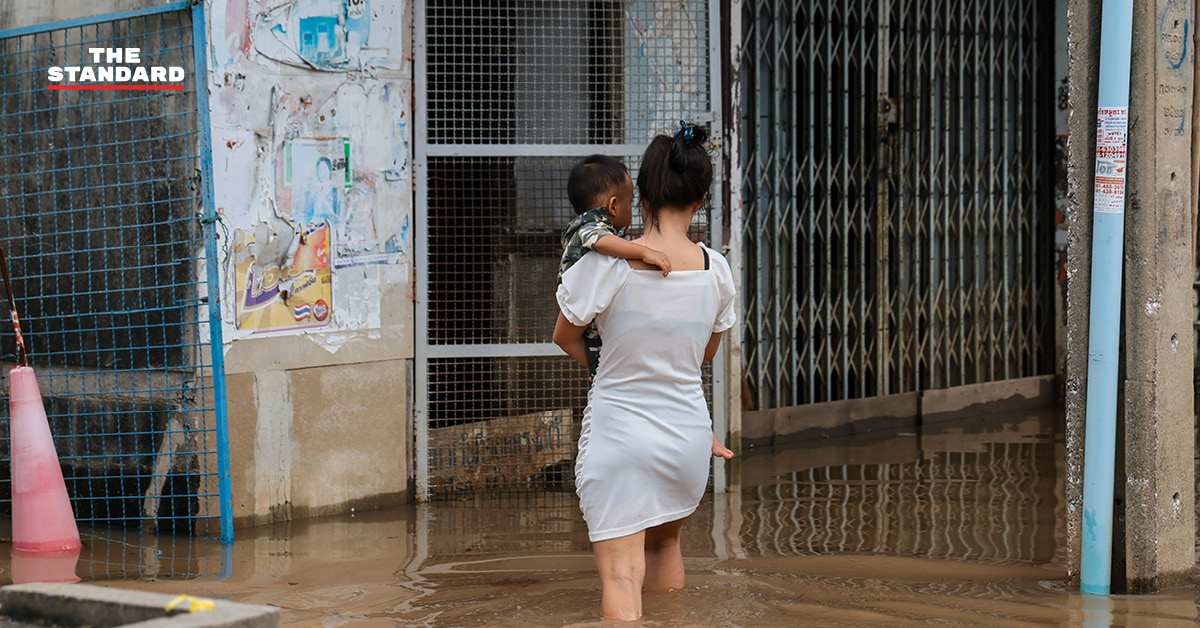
[(118, 69)]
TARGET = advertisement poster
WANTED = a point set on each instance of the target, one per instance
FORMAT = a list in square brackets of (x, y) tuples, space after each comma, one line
[(1111, 127), (299, 295), (316, 175)]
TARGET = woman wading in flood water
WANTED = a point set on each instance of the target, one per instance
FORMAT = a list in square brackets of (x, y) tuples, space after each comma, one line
[(647, 436)]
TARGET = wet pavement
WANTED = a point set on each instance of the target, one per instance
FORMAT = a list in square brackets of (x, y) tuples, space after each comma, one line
[(960, 524)]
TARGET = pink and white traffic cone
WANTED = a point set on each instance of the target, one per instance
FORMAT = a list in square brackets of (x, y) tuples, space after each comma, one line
[(42, 517)]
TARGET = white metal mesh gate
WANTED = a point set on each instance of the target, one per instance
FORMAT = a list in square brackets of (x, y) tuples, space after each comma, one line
[(509, 95), (897, 210)]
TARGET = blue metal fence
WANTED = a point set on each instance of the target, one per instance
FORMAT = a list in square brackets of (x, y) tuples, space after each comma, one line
[(105, 209)]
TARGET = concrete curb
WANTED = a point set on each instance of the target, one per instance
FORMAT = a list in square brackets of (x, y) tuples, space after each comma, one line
[(903, 411), (71, 605)]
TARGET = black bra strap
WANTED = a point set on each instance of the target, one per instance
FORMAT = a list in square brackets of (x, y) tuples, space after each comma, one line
[(705, 252)]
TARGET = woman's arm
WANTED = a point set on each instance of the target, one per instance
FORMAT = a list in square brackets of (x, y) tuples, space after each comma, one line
[(570, 338), (711, 350)]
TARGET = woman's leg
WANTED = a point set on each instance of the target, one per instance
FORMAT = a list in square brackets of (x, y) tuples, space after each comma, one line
[(664, 561), (622, 566)]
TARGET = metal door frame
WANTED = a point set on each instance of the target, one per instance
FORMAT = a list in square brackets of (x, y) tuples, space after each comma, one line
[(423, 150)]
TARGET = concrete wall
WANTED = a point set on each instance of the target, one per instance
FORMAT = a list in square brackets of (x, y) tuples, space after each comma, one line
[(1083, 48), (892, 413), (318, 441), (1062, 135), (1159, 505), (318, 376)]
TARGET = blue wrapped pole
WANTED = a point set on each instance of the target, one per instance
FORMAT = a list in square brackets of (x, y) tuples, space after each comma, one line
[(1104, 325)]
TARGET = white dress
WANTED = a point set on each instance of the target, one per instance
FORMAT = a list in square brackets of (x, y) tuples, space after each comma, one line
[(646, 437)]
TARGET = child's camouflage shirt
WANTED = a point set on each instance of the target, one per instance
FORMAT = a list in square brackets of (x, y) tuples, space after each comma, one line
[(582, 234)]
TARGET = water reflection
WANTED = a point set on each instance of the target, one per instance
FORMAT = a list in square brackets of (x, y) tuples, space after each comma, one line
[(956, 524), (132, 555), (976, 490), (114, 554), (1097, 611), (44, 566)]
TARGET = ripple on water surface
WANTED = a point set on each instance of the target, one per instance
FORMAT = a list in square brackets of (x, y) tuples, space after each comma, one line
[(957, 525)]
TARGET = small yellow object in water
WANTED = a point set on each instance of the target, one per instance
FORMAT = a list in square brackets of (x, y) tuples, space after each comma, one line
[(195, 604)]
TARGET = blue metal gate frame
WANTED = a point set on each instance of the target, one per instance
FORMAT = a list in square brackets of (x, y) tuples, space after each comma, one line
[(217, 346), (210, 293)]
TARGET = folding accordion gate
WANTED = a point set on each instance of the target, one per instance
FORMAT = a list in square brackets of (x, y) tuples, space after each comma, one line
[(897, 198)]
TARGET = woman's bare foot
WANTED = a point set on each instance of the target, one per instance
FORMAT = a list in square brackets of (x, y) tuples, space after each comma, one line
[(719, 450)]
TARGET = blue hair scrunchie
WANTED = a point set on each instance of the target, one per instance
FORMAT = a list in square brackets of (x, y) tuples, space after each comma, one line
[(688, 130)]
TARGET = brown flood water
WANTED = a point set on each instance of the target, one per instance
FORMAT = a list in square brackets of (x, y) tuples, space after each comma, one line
[(958, 525)]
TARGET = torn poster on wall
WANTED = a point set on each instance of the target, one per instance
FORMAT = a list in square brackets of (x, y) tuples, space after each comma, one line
[(282, 279), (315, 173), (230, 27), (318, 185), (329, 35), (237, 166), (357, 241)]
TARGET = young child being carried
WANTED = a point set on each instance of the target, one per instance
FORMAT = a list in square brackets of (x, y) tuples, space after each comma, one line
[(601, 192)]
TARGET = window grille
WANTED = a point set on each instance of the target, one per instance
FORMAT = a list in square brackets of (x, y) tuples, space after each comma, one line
[(517, 92)]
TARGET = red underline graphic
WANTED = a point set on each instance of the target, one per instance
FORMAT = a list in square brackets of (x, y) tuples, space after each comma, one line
[(114, 87)]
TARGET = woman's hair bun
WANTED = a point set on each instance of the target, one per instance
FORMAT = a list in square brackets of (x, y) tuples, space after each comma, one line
[(676, 171), (691, 133)]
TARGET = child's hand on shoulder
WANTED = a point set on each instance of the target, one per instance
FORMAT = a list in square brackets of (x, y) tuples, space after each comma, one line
[(657, 258)]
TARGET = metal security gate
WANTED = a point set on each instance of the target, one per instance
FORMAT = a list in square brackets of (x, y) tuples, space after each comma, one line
[(106, 212), (897, 213), (510, 94)]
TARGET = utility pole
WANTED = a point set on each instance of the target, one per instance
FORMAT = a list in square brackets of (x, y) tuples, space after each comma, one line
[(1159, 346), (1157, 416)]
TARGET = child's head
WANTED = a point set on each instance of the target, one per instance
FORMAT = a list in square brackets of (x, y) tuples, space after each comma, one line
[(676, 172), (601, 181)]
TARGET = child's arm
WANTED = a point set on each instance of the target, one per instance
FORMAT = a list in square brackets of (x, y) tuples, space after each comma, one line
[(569, 337), (620, 247)]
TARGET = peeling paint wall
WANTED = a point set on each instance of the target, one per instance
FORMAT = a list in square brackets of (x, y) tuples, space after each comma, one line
[(312, 147), (311, 155)]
